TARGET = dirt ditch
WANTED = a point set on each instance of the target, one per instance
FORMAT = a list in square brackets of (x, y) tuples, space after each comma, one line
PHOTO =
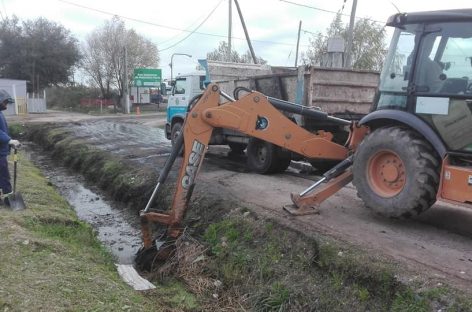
[(122, 158), (116, 227)]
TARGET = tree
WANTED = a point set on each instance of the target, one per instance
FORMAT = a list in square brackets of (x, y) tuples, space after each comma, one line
[(221, 54), (104, 55), (39, 51), (368, 45)]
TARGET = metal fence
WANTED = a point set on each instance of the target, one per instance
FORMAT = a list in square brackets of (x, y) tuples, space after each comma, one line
[(35, 103)]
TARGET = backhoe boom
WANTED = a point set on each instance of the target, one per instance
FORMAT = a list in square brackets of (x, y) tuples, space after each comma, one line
[(255, 116)]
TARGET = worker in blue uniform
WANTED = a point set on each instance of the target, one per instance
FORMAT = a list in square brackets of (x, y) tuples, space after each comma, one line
[(6, 142)]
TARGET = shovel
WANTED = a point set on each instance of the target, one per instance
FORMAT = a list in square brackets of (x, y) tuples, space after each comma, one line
[(16, 199)]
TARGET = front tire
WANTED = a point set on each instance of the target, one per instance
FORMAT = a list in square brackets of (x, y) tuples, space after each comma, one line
[(175, 131), (396, 172), (174, 134)]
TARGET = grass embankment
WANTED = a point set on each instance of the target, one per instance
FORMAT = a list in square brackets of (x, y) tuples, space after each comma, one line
[(265, 267), (51, 261), (241, 262)]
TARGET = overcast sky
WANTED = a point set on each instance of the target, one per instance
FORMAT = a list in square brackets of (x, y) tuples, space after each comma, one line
[(272, 24)]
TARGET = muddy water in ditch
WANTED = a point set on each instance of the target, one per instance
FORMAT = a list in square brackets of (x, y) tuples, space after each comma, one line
[(117, 228)]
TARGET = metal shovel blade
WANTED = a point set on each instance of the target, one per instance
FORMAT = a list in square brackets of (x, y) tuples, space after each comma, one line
[(16, 202)]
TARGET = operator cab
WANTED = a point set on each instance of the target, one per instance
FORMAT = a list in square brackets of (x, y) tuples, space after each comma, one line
[(428, 73)]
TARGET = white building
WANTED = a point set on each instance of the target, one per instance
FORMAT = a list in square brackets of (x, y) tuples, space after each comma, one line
[(23, 103), (17, 90)]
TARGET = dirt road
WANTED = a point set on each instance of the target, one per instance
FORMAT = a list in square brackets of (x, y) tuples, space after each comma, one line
[(437, 244)]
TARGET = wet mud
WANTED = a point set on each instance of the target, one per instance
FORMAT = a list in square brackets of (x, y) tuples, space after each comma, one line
[(132, 141)]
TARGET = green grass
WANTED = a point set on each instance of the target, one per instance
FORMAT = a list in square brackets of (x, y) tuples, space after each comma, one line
[(52, 261), (280, 270)]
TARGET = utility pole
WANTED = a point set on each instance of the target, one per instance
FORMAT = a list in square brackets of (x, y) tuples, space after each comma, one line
[(298, 43), (230, 17), (33, 75), (347, 63), (245, 32), (125, 84)]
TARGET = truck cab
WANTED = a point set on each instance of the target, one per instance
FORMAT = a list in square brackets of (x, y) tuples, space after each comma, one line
[(184, 88)]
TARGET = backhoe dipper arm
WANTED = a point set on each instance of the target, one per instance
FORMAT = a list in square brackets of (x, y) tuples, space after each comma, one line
[(252, 115)]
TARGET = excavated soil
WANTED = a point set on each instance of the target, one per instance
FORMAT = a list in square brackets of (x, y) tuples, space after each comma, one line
[(437, 245)]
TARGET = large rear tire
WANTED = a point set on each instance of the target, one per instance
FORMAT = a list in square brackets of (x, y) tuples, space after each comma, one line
[(396, 172), (265, 158)]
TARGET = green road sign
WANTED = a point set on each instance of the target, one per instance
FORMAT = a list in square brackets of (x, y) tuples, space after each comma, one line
[(147, 77)]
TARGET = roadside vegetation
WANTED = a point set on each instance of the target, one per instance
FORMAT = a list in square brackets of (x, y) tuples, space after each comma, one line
[(229, 259), (265, 267), (51, 261)]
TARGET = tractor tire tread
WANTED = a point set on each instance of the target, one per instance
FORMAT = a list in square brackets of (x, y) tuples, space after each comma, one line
[(419, 193)]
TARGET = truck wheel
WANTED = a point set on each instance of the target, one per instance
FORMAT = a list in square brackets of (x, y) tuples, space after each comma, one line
[(396, 172), (284, 160), (174, 133), (237, 148), (264, 157)]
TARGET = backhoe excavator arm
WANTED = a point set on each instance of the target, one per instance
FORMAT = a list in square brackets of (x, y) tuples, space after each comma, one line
[(255, 116)]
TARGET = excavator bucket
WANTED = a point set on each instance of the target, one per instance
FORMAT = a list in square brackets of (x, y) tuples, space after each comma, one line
[(194, 139)]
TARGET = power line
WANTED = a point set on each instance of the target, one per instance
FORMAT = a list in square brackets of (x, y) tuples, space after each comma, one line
[(121, 16), (168, 27), (211, 13), (329, 11), (186, 29)]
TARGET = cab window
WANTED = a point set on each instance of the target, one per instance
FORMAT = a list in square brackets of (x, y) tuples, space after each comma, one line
[(396, 72), (445, 60), (180, 84)]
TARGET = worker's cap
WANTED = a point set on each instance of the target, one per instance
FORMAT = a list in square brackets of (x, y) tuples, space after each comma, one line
[(5, 97)]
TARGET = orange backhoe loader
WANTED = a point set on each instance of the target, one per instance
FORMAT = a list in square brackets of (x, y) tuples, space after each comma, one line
[(414, 148)]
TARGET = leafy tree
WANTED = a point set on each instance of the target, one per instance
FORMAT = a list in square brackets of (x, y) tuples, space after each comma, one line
[(221, 54), (368, 44), (104, 55), (39, 51)]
